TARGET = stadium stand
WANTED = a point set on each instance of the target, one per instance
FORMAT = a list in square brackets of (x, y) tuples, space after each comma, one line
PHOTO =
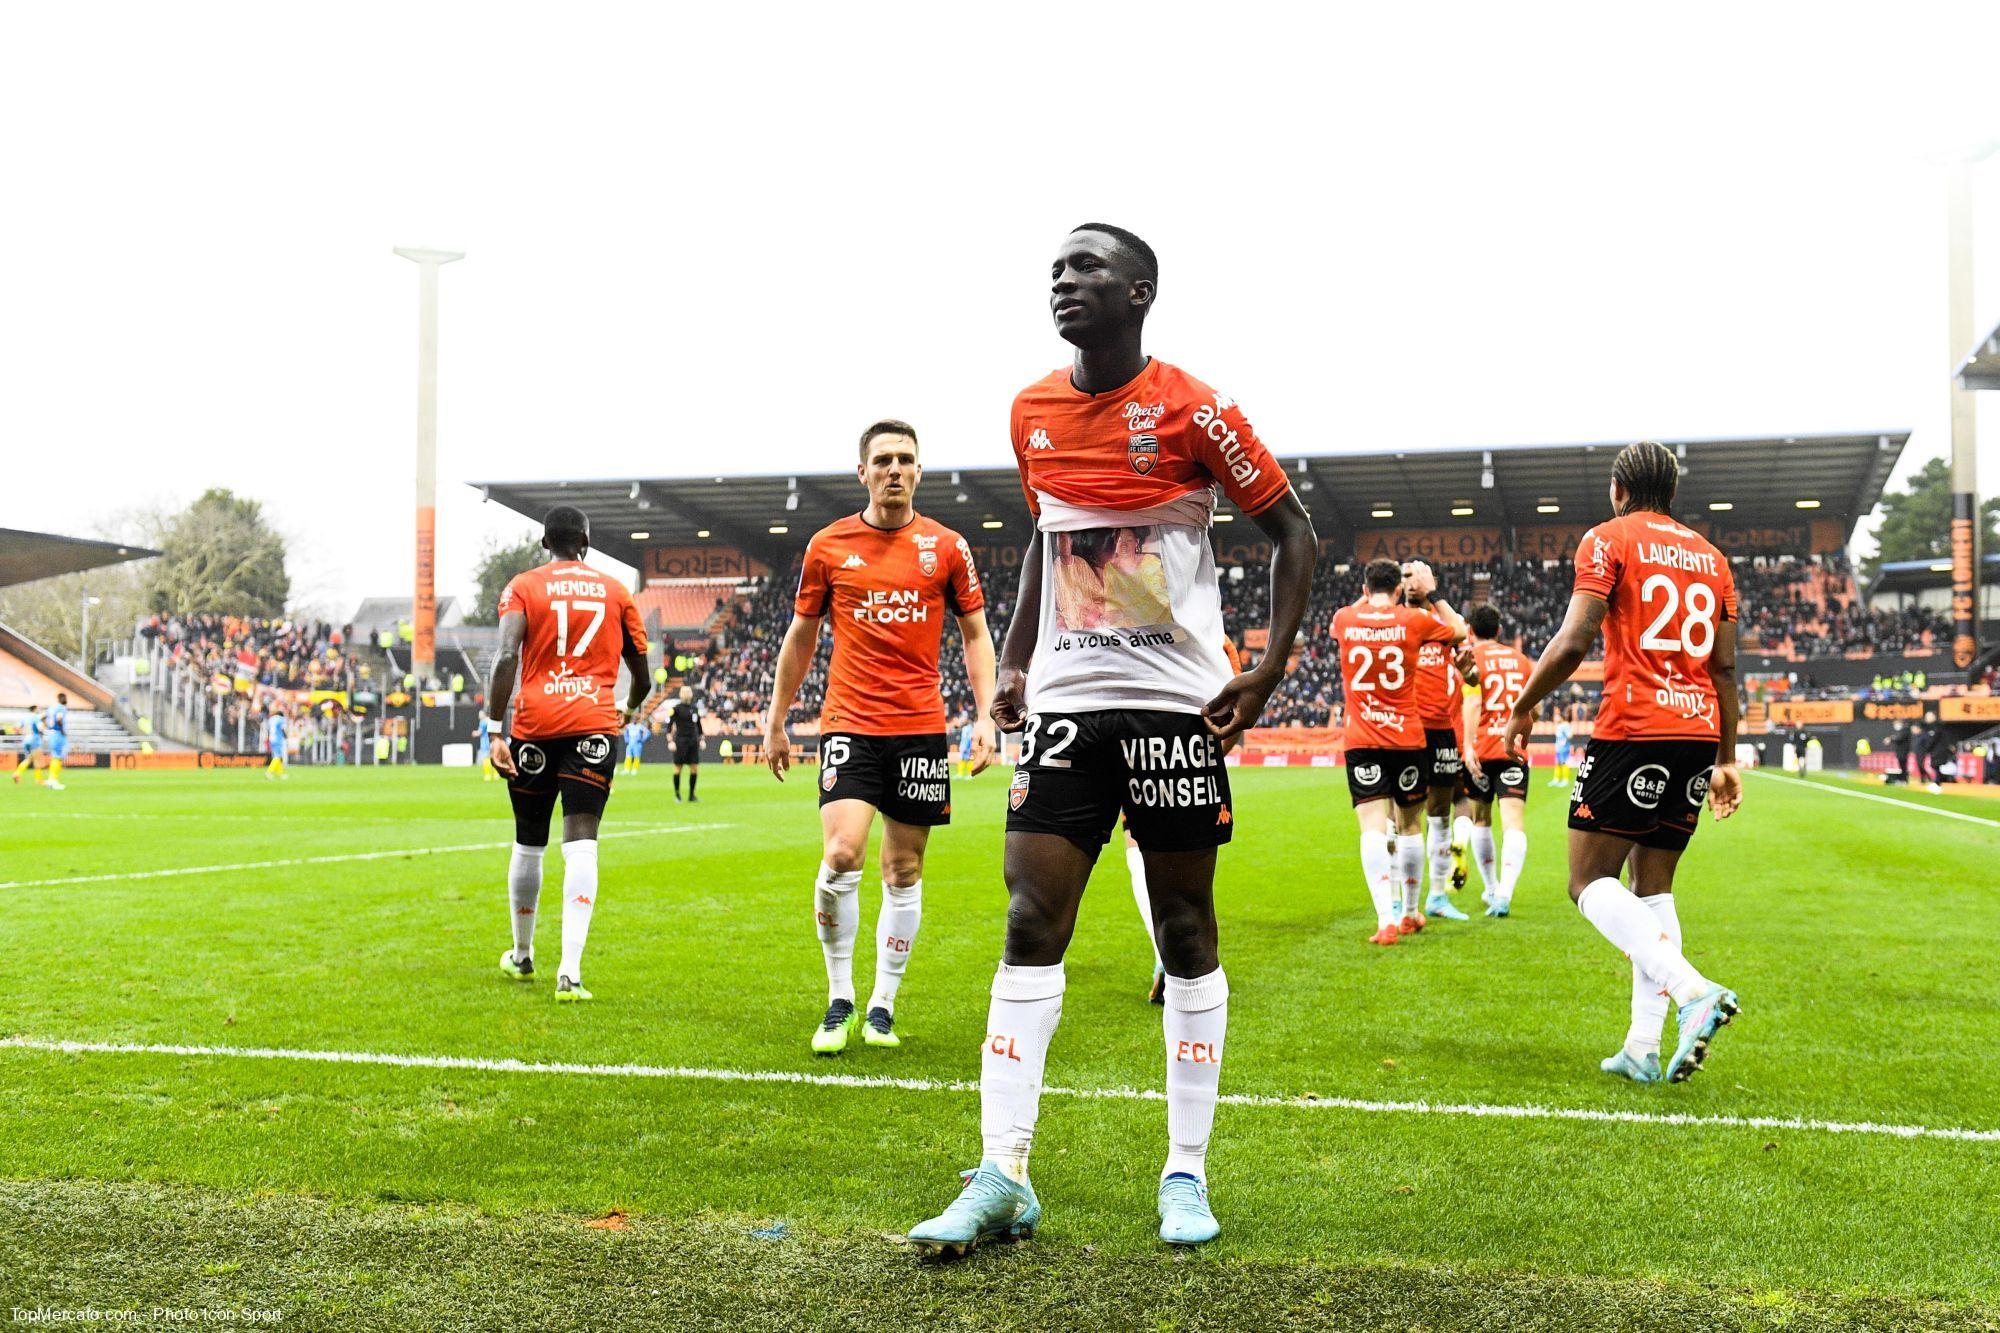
[(30, 675)]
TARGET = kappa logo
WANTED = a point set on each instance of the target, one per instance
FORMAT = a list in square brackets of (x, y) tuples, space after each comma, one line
[(1368, 774), (1697, 788), (1407, 779), (1038, 439), (1647, 785), (828, 776), (1144, 451), (1017, 791), (530, 758), (594, 749), (853, 562), (1223, 816)]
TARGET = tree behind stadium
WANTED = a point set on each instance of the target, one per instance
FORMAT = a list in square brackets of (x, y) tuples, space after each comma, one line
[(219, 555), (497, 568), (1916, 521)]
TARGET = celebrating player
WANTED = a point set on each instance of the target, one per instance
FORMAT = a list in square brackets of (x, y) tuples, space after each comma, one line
[(685, 723), (1437, 709), (1381, 639), (1114, 666), (564, 627), (886, 576), (1495, 675), (1665, 736)]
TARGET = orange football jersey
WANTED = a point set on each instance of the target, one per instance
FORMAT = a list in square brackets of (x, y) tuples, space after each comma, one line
[(1503, 672), (579, 623), (1437, 684), (1667, 589), (885, 595), (1379, 649)]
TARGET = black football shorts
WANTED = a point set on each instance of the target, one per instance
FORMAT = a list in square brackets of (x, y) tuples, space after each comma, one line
[(1163, 770), (907, 778), (1648, 791), (578, 768)]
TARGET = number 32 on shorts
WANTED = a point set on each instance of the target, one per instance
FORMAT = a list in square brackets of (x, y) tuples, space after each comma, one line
[(1062, 731)]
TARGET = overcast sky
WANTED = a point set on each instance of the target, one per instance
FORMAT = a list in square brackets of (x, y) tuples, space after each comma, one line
[(722, 242)]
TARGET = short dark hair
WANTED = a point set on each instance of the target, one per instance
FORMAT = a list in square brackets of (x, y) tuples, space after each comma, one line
[(565, 527), (1382, 576), (1649, 474), (1149, 263), (886, 426), (61, 698), (1485, 622)]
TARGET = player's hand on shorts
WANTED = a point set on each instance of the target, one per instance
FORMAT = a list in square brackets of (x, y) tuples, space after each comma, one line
[(1473, 768), (1520, 726), (777, 750), (1010, 702), (502, 757), (1237, 708), (984, 739), (1725, 790)]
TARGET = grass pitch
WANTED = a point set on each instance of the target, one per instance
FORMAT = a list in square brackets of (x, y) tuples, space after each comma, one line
[(1397, 1164)]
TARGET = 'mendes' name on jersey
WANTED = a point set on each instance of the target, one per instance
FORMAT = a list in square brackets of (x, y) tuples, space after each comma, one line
[(572, 588)]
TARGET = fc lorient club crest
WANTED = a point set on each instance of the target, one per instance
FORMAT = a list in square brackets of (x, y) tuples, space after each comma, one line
[(1017, 791), (927, 562), (1144, 451)]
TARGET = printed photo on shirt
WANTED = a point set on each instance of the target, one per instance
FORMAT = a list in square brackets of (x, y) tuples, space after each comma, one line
[(1111, 578)]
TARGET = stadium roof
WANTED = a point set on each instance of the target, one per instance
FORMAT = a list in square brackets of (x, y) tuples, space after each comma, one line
[(1763, 481), (1924, 575), (1981, 367), (28, 556)]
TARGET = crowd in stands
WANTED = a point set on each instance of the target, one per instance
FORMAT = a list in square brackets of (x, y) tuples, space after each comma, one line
[(272, 653), (1805, 607)]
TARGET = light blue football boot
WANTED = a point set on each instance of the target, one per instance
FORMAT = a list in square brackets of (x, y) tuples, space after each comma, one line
[(1440, 904), (1185, 1218), (990, 1207), (1645, 1070), (1700, 1020)]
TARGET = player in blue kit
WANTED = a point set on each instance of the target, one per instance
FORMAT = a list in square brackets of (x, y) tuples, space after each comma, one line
[(55, 740), (636, 735), (31, 741), (482, 740), (277, 737)]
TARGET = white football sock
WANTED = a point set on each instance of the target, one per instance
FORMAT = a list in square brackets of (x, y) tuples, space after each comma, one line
[(579, 898), (1482, 853), (1437, 835), (1410, 871), (1135, 861), (1513, 855), (1020, 1023), (1649, 1002), (1379, 875), (524, 896), (895, 934), (837, 913), (1610, 906), (1196, 1018)]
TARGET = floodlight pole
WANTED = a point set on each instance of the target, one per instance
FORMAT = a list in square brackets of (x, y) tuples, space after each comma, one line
[(423, 611), (1964, 435)]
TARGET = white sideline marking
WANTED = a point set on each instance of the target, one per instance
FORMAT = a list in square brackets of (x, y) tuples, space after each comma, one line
[(508, 1066), (1882, 800), (333, 860)]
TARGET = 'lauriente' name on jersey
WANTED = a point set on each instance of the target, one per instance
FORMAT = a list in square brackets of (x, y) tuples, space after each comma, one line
[(1123, 488)]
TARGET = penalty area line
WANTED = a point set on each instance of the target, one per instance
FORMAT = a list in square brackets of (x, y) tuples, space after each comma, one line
[(335, 859), (1123, 1094), (1879, 800)]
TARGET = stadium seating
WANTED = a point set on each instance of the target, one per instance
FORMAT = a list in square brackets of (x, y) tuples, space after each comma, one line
[(682, 607)]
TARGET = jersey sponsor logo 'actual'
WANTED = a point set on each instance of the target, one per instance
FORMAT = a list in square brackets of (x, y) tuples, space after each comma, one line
[(1647, 785), (1210, 422), (1144, 451)]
